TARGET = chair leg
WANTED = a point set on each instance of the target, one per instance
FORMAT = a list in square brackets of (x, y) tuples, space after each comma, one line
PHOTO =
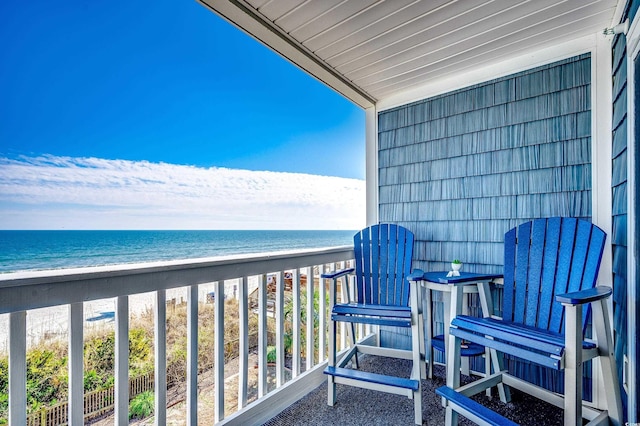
[(602, 329), (417, 346), (331, 384), (352, 337), (573, 366), (498, 365)]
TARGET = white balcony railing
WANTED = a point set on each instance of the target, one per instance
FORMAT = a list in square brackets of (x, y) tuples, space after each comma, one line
[(21, 292)]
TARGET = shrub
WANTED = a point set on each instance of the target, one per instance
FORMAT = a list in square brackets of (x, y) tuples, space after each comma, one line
[(141, 406), (271, 354)]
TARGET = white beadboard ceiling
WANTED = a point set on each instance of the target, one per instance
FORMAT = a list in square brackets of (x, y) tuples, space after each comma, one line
[(370, 50)]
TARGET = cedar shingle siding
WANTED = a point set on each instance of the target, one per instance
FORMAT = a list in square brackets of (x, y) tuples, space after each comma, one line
[(619, 158), (462, 168)]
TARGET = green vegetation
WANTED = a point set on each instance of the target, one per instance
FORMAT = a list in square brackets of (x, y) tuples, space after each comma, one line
[(141, 406), (47, 371)]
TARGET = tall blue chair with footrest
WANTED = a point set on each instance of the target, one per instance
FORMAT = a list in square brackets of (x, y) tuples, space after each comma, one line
[(550, 293), (379, 296)]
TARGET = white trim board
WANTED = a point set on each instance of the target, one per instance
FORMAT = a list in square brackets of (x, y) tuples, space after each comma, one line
[(633, 50)]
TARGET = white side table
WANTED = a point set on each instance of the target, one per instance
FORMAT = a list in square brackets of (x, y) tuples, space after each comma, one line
[(454, 289)]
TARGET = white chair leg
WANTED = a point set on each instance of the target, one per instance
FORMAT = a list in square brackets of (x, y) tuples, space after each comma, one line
[(331, 384), (573, 366), (416, 350), (450, 417), (453, 347), (602, 329)]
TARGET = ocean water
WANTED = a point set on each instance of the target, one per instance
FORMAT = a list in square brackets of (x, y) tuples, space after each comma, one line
[(39, 250)]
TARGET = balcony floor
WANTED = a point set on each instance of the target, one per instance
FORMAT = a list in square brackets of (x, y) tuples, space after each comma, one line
[(356, 406)]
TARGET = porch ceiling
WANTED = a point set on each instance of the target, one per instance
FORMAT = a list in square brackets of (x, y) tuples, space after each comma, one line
[(370, 50)]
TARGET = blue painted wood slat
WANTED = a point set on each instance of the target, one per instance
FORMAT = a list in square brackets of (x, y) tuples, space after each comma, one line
[(364, 296), (509, 274), (534, 278), (374, 286), (549, 271), (522, 266), (565, 254), (393, 254), (384, 266), (359, 261)]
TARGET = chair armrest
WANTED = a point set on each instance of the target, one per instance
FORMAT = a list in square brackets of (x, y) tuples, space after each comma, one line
[(416, 275), (338, 274), (584, 296)]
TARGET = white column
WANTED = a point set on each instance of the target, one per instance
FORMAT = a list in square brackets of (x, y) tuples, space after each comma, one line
[(371, 166)]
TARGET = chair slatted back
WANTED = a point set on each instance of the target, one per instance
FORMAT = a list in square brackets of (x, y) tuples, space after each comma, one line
[(546, 257), (383, 256)]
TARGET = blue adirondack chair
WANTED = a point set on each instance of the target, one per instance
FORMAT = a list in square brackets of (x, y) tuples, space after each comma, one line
[(380, 296), (550, 271)]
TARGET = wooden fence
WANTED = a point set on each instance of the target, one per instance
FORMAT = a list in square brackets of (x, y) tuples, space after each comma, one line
[(96, 403), (100, 402)]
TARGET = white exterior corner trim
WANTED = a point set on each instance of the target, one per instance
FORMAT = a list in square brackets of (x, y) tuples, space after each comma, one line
[(633, 50), (371, 166)]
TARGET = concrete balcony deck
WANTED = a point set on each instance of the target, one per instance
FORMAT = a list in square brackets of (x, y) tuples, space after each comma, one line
[(364, 407)]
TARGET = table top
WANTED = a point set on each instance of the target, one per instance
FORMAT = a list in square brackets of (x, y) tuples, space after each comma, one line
[(465, 277)]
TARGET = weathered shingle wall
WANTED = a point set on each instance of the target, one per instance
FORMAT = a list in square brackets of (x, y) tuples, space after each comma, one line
[(619, 161), (463, 168)]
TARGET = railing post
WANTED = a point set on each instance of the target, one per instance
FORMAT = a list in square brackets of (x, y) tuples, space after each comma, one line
[(279, 329), (295, 350), (160, 336), (192, 355), (76, 364), (122, 361), (310, 323), (18, 368), (219, 351), (322, 313), (263, 340), (243, 344)]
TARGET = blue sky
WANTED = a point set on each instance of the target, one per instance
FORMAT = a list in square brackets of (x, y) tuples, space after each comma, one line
[(163, 83)]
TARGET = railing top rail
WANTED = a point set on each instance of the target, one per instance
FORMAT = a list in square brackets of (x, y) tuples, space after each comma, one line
[(38, 289)]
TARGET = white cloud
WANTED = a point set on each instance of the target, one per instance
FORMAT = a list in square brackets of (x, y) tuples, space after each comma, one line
[(50, 192)]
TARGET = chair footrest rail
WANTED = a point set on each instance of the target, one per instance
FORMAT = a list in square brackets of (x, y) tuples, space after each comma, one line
[(365, 376), (471, 409)]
